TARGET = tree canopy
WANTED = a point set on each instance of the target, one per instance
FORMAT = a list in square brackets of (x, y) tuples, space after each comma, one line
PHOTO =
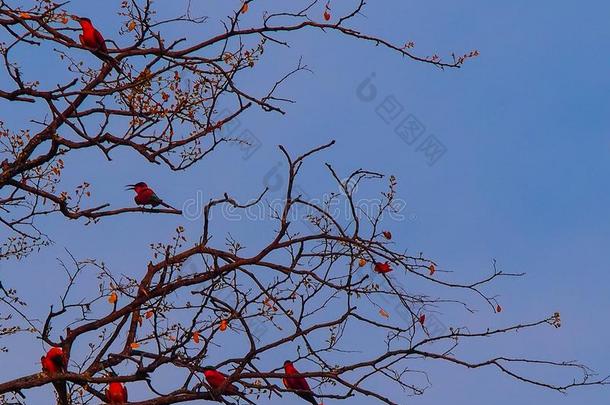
[(301, 296)]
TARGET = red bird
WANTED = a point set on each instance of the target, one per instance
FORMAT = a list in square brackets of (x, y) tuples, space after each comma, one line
[(297, 383), (218, 381), (55, 363), (92, 39), (146, 196), (422, 319), (382, 268), (116, 393)]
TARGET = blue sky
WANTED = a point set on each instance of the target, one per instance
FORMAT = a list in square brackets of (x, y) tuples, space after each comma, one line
[(526, 131)]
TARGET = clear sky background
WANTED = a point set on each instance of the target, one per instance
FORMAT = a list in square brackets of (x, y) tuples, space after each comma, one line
[(523, 179)]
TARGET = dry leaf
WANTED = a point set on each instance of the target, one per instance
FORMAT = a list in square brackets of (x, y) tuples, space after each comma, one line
[(25, 15), (326, 15), (113, 298), (134, 345), (131, 26), (223, 325), (498, 308), (387, 235), (383, 313), (422, 318), (244, 8), (149, 314), (432, 269), (362, 263), (196, 337)]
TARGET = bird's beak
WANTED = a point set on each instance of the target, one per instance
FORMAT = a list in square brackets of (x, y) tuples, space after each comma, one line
[(130, 187)]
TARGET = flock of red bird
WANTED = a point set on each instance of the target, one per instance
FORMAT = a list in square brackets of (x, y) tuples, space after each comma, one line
[(93, 40), (54, 363)]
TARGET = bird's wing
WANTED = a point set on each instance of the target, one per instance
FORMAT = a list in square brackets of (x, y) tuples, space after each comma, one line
[(155, 200), (58, 362), (232, 390), (301, 384), (82, 40), (101, 43), (215, 380), (125, 393)]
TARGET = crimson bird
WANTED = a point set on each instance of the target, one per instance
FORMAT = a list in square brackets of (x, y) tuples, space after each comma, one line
[(92, 39), (299, 384), (382, 268), (116, 393), (55, 363), (422, 319), (146, 196), (218, 381)]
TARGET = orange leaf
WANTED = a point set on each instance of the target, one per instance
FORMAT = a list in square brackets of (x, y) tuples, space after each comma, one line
[(223, 325), (134, 345), (244, 8), (387, 235), (149, 314), (383, 313), (432, 269), (131, 26), (196, 337), (25, 15), (362, 263), (113, 298), (326, 15)]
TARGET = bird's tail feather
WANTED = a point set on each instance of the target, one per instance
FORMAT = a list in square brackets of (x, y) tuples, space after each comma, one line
[(308, 396), (115, 65), (247, 400), (166, 205), (113, 62)]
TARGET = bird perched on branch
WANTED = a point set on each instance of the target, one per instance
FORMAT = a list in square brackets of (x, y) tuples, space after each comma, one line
[(218, 382), (91, 38), (298, 383), (116, 393), (382, 268), (55, 363), (146, 196)]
